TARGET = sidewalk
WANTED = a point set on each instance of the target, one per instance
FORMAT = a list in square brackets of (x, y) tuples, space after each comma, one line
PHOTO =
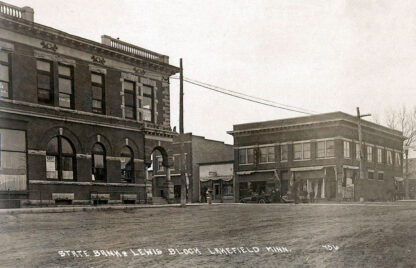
[(61, 209)]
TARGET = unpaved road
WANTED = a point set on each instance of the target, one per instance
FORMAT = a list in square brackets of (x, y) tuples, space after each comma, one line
[(367, 235)]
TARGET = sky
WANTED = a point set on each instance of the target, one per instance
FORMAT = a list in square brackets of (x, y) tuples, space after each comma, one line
[(319, 55)]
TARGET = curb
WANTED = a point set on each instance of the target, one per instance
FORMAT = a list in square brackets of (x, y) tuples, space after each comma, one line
[(85, 208)]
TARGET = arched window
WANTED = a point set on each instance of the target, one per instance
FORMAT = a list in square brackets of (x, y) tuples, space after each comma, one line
[(60, 159), (98, 163), (127, 165)]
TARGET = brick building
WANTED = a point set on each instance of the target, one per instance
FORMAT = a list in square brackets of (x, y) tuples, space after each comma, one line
[(79, 119), (318, 157), (196, 150)]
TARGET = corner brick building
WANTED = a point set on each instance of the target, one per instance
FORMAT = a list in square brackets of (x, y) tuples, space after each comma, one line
[(79, 119), (318, 155)]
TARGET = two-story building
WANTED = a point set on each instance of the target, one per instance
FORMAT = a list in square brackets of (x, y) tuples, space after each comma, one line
[(318, 156), (79, 119)]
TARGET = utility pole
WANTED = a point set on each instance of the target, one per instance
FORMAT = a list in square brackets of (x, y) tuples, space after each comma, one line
[(182, 137), (361, 174), (406, 182)]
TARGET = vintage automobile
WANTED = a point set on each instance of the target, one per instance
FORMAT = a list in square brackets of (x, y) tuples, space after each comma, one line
[(273, 197)]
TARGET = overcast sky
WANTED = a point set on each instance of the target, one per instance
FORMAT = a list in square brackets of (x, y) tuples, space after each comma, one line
[(320, 55)]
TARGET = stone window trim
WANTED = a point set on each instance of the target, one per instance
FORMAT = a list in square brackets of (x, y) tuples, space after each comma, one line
[(97, 69), (54, 58), (132, 78)]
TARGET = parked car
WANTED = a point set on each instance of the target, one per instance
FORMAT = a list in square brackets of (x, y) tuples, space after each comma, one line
[(261, 198)]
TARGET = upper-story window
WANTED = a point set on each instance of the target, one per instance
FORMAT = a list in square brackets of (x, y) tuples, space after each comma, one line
[(325, 149), (159, 163), (4, 74), (398, 161), (148, 99), (357, 151), (246, 156), (370, 175), (379, 155), (284, 152), (130, 99), (347, 152), (97, 86), (45, 82), (267, 155), (389, 158), (65, 83), (302, 151), (369, 153)]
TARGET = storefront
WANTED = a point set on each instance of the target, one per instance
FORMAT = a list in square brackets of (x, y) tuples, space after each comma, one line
[(217, 180)]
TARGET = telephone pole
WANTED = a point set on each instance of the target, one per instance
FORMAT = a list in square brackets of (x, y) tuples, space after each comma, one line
[(361, 174), (182, 136)]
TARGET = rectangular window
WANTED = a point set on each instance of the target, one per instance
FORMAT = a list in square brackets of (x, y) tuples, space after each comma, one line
[(266, 154), (65, 84), (45, 82), (159, 163), (176, 162), (379, 155), (4, 74), (302, 151), (380, 176), (369, 153), (246, 156), (325, 149), (130, 99), (148, 99), (97, 86), (371, 175), (398, 161), (12, 160), (347, 153), (357, 151), (283, 152), (389, 158)]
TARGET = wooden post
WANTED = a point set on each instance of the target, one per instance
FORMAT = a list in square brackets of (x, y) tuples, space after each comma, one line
[(182, 136)]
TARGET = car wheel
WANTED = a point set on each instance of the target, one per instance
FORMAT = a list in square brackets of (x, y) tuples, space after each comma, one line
[(242, 201), (262, 201)]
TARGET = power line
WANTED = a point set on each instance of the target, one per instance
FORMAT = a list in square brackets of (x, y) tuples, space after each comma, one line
[(244, 97), (248, 96)]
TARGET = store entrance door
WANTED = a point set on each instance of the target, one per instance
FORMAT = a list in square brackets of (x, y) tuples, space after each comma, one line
[(217, 191)]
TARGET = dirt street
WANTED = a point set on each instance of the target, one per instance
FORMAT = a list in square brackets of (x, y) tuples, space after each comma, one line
[(238, 235)]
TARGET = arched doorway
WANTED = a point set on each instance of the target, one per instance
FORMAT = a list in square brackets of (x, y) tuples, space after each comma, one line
[(159, 173)]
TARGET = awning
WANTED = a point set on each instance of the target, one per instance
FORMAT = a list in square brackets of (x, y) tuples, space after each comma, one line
[(398, 179), (216, 178)]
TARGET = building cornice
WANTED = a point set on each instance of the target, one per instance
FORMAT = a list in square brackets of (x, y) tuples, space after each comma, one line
[(48, 34)]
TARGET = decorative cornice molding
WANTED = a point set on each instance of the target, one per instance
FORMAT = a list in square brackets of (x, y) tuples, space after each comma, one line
[(49, 46), (98, 59), (139, 71)]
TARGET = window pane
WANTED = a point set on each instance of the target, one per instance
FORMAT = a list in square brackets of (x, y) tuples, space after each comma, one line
[(242, 156), (263, 155), (250, 155), (271, 154), (129, 112), (147, 90), (52, 147), (98, 161), (44, 95), (13, 161), (330, 149), (67, 168), (128, 99), (320, 149), (4, 89), (64, 100), (98, 149), (4, 56), (96, 78), (147, 103), (51, 167), (4, 73), (66, 147), (65, 85), (44, 81), (298, 151), (128, 86), (97, 104), (306, 151), (147, 115), (97, 93), (64, 70), (284, 150), (43, 66)]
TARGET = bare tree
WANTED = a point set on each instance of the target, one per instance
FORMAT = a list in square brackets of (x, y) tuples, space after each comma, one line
[(403, 120)]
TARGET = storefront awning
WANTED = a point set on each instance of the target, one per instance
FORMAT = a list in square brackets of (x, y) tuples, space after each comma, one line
[(216, 178)]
